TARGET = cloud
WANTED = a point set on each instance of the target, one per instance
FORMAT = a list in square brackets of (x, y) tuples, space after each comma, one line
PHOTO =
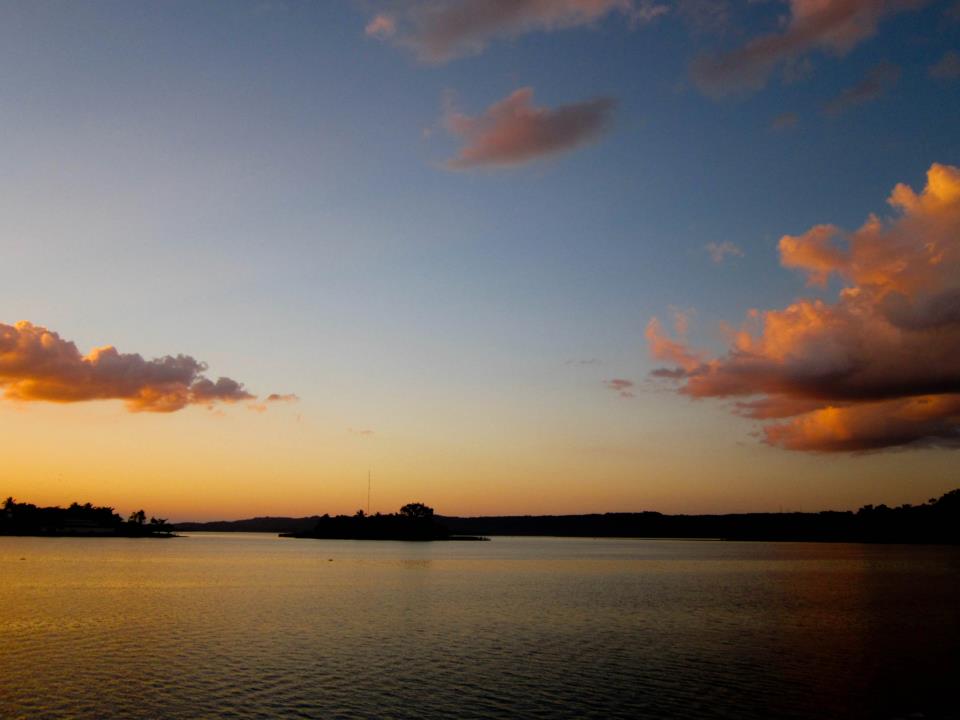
[(705, 17), (720, 251), (948, 67), (624, 388), (440, 30), (877, 83), (797, 70), (289, 397), (381, 26), (834, 26), (785, 121), (37, 364), (513, 131), (878, 367), (262, 407), (364, 433), (662, 347)]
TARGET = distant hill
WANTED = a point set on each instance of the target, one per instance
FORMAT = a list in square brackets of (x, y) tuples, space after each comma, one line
[(265, 524), (937, 521)]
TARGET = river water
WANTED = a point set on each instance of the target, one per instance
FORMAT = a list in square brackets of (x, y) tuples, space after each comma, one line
[(255, 626)]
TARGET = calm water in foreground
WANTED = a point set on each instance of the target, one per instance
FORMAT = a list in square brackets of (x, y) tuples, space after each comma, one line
[(254, 626)]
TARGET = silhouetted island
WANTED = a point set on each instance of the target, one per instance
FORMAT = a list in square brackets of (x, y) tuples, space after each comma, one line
[(415, 522), (936, 521), (78, 521)]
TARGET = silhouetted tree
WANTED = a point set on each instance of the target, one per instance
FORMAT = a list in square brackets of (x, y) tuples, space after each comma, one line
[(138, 518), (418, 511)]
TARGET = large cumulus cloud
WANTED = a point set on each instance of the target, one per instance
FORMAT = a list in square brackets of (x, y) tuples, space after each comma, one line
[(877, 368), (37, 364)]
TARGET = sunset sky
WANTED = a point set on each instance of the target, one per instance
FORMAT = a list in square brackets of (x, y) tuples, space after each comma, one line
[(536, 256)]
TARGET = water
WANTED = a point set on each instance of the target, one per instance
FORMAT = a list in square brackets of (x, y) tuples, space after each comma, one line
[(254, 626)]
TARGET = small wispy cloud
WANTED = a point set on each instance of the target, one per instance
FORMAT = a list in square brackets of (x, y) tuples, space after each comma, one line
[(705, 17), (623, 388), (721, 251), (514, 131), (948, 67), (381, 26), (877, 83), (785, 121), (585, 361), (441, 30)]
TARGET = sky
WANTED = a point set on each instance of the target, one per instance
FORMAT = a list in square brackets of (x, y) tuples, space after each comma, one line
[(537, 256)]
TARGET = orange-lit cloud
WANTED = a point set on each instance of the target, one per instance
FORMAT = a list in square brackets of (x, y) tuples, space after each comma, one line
[(662, 347), (381, 26), (834, 26), (514, 131), (439, 30), (878, 367), (37, 364)]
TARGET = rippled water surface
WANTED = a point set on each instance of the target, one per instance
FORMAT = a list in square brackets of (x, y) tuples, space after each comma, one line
[(254, 626)]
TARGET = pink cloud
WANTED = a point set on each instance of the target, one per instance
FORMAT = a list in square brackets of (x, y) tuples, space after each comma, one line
[(624, 388), (514, 131), (878, 367), (381, 26), (37, 364), (834, 26), (289, 398), (444, 29)]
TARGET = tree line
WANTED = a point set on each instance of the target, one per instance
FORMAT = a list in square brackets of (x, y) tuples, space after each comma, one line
[(21, 518)]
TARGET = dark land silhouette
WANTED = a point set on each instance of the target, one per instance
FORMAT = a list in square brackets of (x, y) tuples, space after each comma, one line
[(414, 521), (936, 521), (78, 521)]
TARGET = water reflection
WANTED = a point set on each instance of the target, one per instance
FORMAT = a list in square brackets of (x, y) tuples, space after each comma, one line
[(253, 626)]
